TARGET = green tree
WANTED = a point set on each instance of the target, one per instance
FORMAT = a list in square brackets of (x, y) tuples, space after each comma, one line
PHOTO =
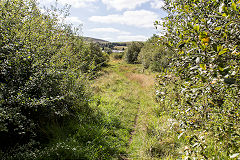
[(154, 55), (108, 50), (205, 37), (44, 69), (98, 56), (132, 52)]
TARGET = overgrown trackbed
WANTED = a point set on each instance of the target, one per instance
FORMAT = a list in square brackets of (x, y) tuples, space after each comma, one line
[(127, 94)]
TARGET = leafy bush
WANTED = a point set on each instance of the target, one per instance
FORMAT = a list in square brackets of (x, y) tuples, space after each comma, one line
[(118, 55), (132, 52), (99, 58), (108, 50), (154, 56), (205, 34), (44, 72)]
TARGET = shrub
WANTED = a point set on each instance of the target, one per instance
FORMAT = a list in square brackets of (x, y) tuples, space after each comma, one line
[(108, 50), (154, 56), (117, 55), (44, 70), (205, 34), (97, 56), (132, 52)]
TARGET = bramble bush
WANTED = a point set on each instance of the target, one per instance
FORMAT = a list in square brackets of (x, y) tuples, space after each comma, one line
[(205, 38), (44, 71)]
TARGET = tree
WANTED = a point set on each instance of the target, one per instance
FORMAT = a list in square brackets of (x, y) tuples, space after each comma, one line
[(154, 56), (44, 70), (108, 50), (98, 57), (205, 37), (132, 52)]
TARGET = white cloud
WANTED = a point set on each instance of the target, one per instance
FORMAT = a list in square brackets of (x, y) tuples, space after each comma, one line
[(108, 30), (111, 30), (116, 4), (107, 39), (139, 18), (73, 3), (157, 4), (132, 4), (74, 20), (132, 38), (123, 4)]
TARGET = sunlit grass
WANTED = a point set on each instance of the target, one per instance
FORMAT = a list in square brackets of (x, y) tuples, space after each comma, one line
[(127, 93), (123, 121)]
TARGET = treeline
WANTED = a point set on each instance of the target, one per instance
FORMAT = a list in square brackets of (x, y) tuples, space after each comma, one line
[(45, 68), (112, 44)]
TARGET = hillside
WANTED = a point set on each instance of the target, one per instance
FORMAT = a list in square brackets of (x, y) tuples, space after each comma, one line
[(90, 39)]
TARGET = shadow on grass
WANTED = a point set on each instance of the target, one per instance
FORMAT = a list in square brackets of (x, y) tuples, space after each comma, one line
[(89, 135)]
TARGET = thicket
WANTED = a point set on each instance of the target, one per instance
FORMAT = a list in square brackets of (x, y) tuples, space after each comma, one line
[(131, 54), (44, 75), (96, 58), (154, 55), (204, 95)]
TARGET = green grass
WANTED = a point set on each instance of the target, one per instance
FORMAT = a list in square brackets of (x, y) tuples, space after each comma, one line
[(127, 93), (121, 122)]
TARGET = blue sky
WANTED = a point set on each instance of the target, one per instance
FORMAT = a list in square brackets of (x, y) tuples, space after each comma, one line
[(114, 20)]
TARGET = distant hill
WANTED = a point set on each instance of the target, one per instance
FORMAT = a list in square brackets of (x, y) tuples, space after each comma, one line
[(112, 45), (90, 39)]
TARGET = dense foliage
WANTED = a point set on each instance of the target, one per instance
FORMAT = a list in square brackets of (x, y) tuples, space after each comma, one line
[(154, 56), (96, 58), (131, 54), (44, 71), (204, 97), (111, 45), (117, 55)]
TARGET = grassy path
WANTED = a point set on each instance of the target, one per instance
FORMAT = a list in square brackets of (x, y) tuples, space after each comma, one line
[(126, 97)]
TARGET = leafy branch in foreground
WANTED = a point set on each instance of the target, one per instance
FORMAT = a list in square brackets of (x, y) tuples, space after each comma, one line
[(205, 34)]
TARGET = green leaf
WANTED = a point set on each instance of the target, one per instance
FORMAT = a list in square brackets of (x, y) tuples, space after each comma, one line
[(218, 28), (181, 36), (203, 66), (219, 48), (194, 43), (234, 6), (223, 51), (180, 52), (196, 28), (220, 68), (170, 44)]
